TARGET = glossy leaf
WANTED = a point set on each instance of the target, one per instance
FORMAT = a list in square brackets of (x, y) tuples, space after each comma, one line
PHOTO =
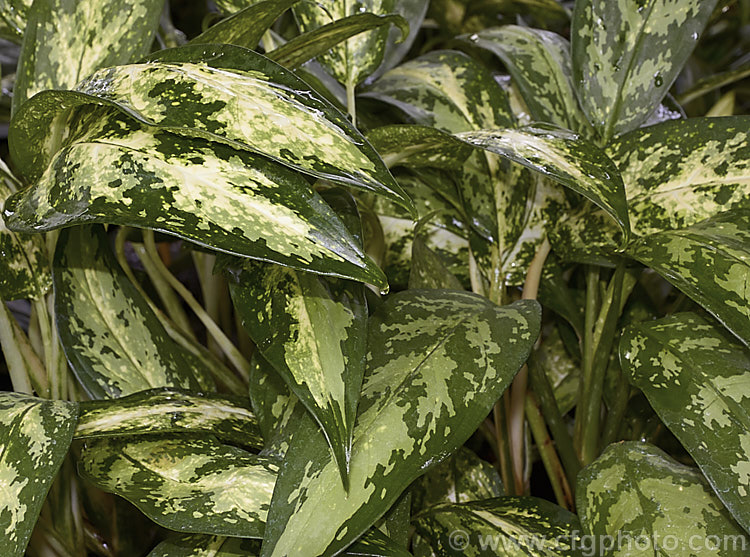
[(318, 41), (564, 157), (93, 33), (637, 494), (13, 15), (224, 93), (710, 262), (501, 526), (626, 55), (698, 381), (416, 146), (437, 362), (113, 340), (428, 269), (201, 545), (313, 331), (171, 411), (187, 484), (539, 62), (123, 173), (34, 438)]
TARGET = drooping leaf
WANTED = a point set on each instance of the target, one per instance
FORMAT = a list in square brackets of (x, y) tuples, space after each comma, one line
[(501, 526), (437, 362), (698, 381), (34, 438), (13, 15), (539, 62), (564, 157), (233, 201), (111, 337), (313, 331), (415, 146), (66, 40), (184, 483), (710, 262), (318, 41), (171, 411), (223, 93), (626, 55), (654, 505)]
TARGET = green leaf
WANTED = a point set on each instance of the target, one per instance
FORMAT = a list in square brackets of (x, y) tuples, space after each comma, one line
[(66, 40), (211, 194), (416, 146), (539, 62), (187, 484), (313, 331), (34, 438), (501, 526), (223, 93), (375, 543), (113, 340), (564, 157), (318, 41), (13, 16), (415, 408), (626, 55), (428, 269), (710, 262), (201, 545), (396, 47), (698, 381), (246, 27), (636, 496), (171, 411)]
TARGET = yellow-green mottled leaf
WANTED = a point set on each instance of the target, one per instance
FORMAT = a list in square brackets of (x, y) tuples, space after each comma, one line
[(414, 146), (627, 54), (13, 15), (171, 411), (66, 40), (437, 361), (34, 438), (428, 270), (636, 500), (188, 484), (113, 340), (202, 545), (504, 526), (698, 381)]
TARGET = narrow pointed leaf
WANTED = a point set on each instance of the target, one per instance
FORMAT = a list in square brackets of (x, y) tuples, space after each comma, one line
[(637, 494), (415, 146), (564, 157), (111, 337), (443, 358), (698, 381), (171, 411), (34, 438), (503, 526), (318, 41), (211, 194), (626, 55), (539, 62), (187, 484), (313, 331), (66, 40), (710, 262)]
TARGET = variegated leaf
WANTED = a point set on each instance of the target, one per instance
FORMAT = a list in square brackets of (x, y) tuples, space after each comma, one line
[(272, 401), (313, 331), (233, 201), (223, 93), (233, 6), (396, 46), (698, 381), (34, 438), (171, 411), (375, 543), (437, 362), (351, 62), (710, 262), (635, 499), (503, 526), (415, 146), (539, 62), (564, 157), (187, 484), (24, 267), (627, 54), (66, 40), (113, 340), (428, 270), (13, 16), (202, 545), (563, 374), (318, 41)]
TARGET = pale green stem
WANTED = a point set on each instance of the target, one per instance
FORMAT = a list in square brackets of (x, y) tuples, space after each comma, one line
[(211, 291), (351, 102), (19, 376), (587, 353)]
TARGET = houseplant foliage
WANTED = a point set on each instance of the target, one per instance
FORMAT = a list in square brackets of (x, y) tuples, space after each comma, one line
[(375, 278)]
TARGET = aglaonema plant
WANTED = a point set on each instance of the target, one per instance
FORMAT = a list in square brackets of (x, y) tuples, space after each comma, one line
[(375, 278)]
